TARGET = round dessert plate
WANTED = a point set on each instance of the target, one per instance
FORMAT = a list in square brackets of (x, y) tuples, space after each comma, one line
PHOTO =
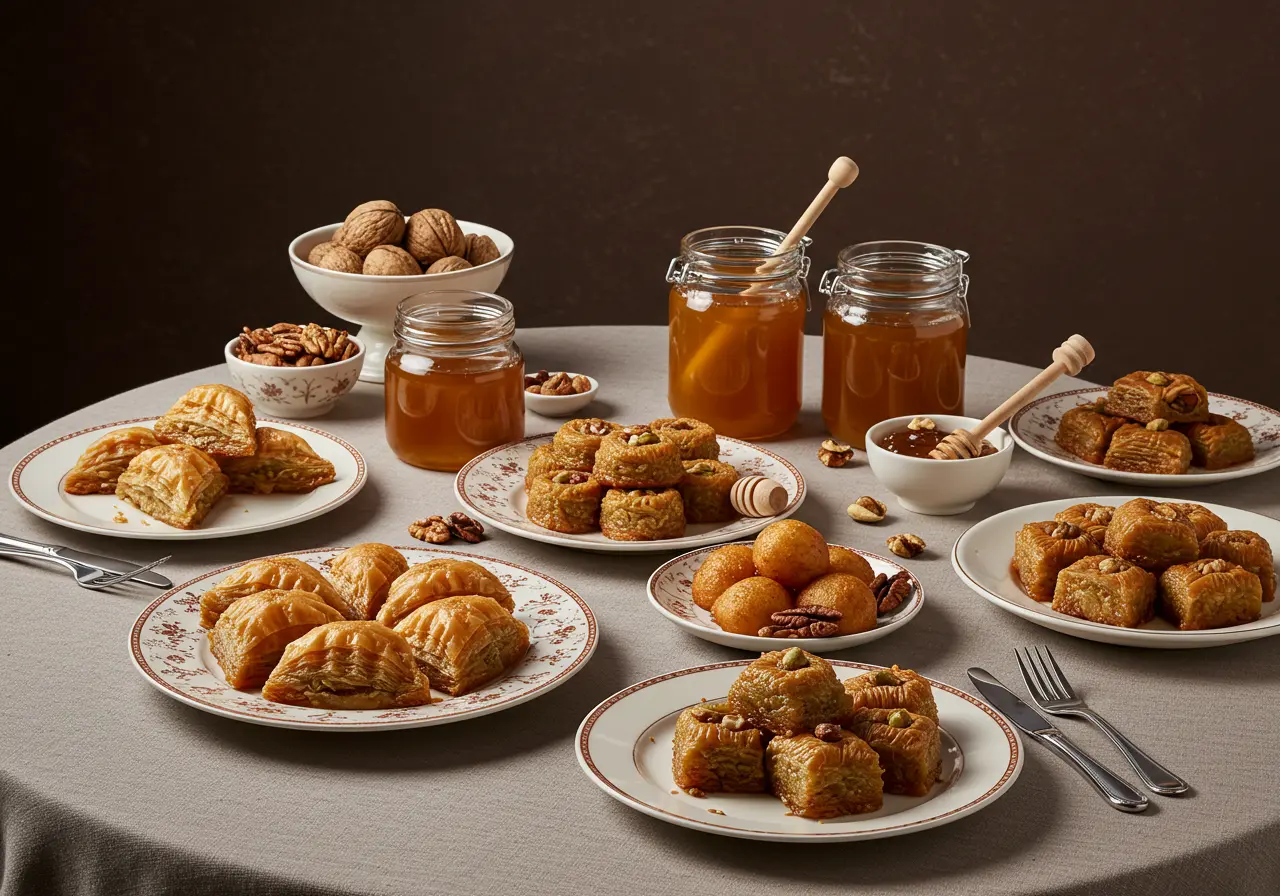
[(491, 487), (36, 483), (671, 593), (982, 557), (1035, 425), (624, 746), (171, 651)]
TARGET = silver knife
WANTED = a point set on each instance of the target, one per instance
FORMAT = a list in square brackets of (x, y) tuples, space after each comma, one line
[(107, 564), (1114, 789)]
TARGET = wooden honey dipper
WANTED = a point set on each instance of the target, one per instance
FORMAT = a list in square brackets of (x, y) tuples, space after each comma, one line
[(1071, 357)]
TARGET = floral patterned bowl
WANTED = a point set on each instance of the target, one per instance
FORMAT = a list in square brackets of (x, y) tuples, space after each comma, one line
[(295, 392)]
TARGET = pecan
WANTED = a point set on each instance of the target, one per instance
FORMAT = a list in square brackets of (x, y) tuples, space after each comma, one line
[(279, 328), (308, 346), (266, 360), (808, 614), (827, 732), (465, 527), (536, 379), (432, 529), (898, 590), (877, 583)]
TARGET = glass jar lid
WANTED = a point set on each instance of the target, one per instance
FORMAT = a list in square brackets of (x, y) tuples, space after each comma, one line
[(455, 320), (896, 269)]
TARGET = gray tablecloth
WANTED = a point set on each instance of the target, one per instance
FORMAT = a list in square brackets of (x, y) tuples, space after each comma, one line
[(109, 786)]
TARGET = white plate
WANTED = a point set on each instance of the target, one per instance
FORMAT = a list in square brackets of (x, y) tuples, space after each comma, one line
[(36, 483), (1035, 425), (171, 651), (671, 593), (624, 746), (491, 487), (982, 555)]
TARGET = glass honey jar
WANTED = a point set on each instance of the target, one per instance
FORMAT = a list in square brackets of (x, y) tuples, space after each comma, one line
[(736, 330), (895, 335), (454, 379)]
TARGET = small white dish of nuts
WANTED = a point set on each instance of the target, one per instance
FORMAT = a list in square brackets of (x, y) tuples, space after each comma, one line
[(309, 376), (559, 394)]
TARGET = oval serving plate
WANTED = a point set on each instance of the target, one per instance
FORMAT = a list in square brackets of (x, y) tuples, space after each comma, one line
[(671, 593), (982, 555), (624, 747), (36, 484), (1035, 425), (491, 487), (171, 651)]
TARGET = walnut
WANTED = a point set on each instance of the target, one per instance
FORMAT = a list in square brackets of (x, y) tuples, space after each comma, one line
[(433, 234), (481, 249), (536, 379), (465, 527), (558, 384), (432, 529), (335, 257), (580, 384), (390, 261), (921, 423), (447, 264), (867, 510), (906, 545), (834, 454), (1110, 565), (371, 224)]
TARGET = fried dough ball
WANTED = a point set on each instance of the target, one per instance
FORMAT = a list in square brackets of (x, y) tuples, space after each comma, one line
[(846, 593), (722, 568), (791, 553), (850, 562), (745, 607)]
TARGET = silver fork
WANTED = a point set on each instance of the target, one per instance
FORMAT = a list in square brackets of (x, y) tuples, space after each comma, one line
[(1053, 693), (87, 576)]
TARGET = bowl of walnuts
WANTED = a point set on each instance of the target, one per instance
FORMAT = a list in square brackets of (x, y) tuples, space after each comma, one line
[(361, 268)]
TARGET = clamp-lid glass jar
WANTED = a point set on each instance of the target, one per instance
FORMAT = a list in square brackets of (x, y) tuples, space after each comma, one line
[(454, 378), (736, 330), (895, 335)]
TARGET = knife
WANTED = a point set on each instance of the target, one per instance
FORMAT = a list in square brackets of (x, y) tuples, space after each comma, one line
[(107, 564), (1115, 790)]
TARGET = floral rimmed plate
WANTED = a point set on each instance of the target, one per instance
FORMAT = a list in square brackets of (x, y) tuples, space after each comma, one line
[(171, 651), (491, 487), (624, 747), (982, 557), (671, 593), (36, 484), (1035, 425)]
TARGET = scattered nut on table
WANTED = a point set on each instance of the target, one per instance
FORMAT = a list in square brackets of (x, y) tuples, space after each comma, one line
[(867, 510), (545, 383), (442, 530), (906, 545), (834, 454)]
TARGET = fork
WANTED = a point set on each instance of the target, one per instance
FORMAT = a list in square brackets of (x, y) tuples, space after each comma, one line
[(1053, 693), (90, 577)]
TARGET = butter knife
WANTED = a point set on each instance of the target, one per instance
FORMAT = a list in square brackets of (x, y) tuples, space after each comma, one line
[(106, 564), (1114, 790)]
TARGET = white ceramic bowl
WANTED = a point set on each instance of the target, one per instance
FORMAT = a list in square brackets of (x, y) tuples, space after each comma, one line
[(562, 405), (938, 487), (371, 301), (295, 392)]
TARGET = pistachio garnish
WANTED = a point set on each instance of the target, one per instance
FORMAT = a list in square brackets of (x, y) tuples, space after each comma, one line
[(701, 468), (1157, 379), (886, 677), (793, 659), (1158, 425), (867, 510), (569, 477), (899, 718), (643, 438), (920, 423)]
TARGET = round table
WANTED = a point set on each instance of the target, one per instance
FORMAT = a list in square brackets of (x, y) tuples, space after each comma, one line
[(109, 786)]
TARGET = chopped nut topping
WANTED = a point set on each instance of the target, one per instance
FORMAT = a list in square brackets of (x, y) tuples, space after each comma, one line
[(1157, 379), (733, 722)]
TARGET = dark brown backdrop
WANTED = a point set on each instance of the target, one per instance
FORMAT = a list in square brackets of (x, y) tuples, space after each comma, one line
[(1110, 166)]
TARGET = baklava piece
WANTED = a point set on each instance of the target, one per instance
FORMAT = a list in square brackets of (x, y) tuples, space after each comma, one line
[(696, 440), (637, 457), (98, 469), (1246, 549), (1151, 534), (349, 665), (892, 689), (267, 574), (363, 574), (464, 642), (786, 692), (176, 484), (567, 501), (909, 747), (543, 462), (1086, 431), (284, 464), (250, 637), (1092, 518), (1147, 395), (1106, 590), (704, 489), (216, 419), (436, 580), (1209, 594), (1042, 550), (577, 442), (1153, 448), (1203, 520), (642, 514), (1219, 442), (716, 751), (826, 774)]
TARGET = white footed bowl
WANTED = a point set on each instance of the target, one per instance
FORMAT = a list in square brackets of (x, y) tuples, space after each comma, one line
[(294, 392), (938, 487), (371, 301)]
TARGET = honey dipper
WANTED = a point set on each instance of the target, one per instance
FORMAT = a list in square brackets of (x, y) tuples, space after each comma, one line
[(1070, 358)]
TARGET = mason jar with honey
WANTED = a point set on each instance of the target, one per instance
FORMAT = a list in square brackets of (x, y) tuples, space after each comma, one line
[(454, 379), (895, 335), (736, 330)]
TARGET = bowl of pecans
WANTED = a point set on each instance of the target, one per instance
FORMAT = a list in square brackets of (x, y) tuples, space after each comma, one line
[(558, 394), (294, 370)]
